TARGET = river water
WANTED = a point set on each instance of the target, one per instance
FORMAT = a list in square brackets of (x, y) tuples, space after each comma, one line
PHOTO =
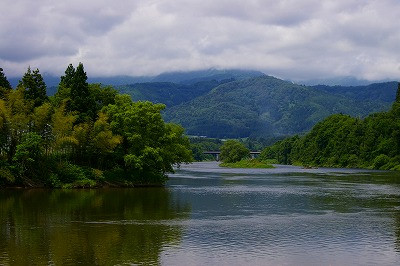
[(207, 215)]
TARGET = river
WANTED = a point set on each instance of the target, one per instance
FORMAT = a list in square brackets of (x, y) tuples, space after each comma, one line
[(207, 215)]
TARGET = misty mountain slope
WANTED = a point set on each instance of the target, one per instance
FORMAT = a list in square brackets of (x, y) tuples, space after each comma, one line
[(168, 93), (191, 77), (385, 91), (263, 106)]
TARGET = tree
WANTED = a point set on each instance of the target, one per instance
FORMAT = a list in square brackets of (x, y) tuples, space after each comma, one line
[(3, 80), (80, 98), (233, 151), (102, 95), (34, 85), (68, 78), (398, 94), (5, 86), (28, 154), (148, 147)]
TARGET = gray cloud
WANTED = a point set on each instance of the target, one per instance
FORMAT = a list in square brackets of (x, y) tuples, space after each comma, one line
[(288, 38)]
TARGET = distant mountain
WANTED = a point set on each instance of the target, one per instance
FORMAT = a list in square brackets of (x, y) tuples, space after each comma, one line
[(265, 106), (338, 81), (169, 93), (191, 77), (385, 92)]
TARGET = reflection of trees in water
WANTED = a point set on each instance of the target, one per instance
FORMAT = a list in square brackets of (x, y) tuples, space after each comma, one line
[(88, 226)]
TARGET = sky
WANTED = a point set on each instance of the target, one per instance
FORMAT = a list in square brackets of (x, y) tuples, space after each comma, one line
[(291, 39)]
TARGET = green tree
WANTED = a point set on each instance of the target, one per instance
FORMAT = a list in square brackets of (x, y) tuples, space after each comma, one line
[(233, 151), (5, 86), (68, 79), (35, 87), (81, 100), (398, 94), (102, 95), (148, 147), (3, 80), (28, 155)]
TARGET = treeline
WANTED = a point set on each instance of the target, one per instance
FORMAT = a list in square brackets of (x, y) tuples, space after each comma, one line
[(345, 141), (85, 135)]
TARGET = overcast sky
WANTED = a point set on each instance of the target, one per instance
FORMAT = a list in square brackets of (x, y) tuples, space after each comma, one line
[(293, 39)]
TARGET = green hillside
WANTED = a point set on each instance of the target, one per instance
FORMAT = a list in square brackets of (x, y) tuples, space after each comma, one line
[(384, 91), (345, 141), (264, 106), (168, 93)]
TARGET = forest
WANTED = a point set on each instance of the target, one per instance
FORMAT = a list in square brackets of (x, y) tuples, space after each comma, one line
[(86, 135), (344, 141)]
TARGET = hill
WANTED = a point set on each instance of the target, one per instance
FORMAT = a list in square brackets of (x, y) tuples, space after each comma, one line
[(191, 77), (345, 141), (265, 106), (384, 91), (169, 93)]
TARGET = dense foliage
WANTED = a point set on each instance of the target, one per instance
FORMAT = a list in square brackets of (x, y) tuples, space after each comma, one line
[(267, 106), (84, 135), (248, 163), (344, 141), (200, 145), (233, 151)]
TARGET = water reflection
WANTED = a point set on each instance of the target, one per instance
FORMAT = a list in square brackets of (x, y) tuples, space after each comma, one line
[(211, 216), (89, 227), (289, 216)]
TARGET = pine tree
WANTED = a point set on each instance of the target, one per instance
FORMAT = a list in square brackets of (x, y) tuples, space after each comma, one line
[(35, 87), (5, 86), (39, 94), (3, 80), (81, 99), (67, 80), (398, 93)]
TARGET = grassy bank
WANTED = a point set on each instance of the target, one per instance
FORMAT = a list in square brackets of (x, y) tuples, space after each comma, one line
[(247, 163)]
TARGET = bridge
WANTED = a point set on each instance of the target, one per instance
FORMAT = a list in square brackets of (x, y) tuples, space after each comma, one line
[(253, 154)]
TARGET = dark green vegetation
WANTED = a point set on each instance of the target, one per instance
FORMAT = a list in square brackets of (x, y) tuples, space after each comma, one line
[(381, 92), (200, 145), (233, 151), (267, 106), (168, 93), (247, 163), (85, 135), (234, 154), (344, 141)]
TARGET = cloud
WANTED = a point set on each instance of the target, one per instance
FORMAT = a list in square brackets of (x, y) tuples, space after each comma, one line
[(287, 38)]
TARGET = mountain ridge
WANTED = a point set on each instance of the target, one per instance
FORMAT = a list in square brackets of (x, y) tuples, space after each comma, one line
[(264, 106)]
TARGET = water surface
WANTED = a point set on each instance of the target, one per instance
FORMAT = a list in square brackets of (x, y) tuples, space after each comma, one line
[(209, 215)]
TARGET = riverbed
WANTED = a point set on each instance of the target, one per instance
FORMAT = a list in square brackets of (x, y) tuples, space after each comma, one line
[(208, 215)]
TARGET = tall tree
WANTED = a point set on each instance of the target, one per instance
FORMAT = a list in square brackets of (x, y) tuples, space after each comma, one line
[(5, 86), (3, 80), (67, 79), (81, 100), (35, 87), (398, 93)]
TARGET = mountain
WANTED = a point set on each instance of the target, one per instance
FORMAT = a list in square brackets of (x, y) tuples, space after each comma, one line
[(191, 77), (169, 93), (385, 91), (265, 106), (338, 81)]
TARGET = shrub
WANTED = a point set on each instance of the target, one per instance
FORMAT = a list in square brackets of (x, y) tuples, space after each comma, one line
[(380, 161)]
